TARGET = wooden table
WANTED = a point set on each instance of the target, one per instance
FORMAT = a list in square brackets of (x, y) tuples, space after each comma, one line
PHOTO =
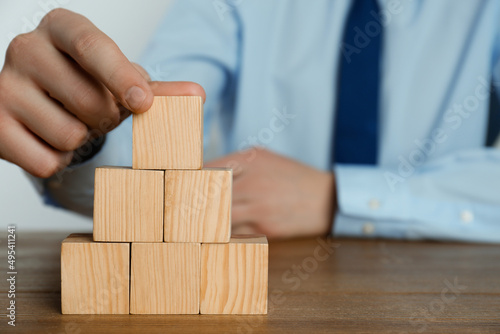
[(315, 286)]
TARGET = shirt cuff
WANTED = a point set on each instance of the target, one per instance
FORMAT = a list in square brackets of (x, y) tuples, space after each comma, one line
[(355, 227), (367, 206), (364, 191), (73, 187)]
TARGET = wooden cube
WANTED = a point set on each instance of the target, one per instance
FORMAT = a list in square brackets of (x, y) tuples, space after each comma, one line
[(234, 276), (128, 205), (165, 278), (169, 135), (94, 276), (198, 205)]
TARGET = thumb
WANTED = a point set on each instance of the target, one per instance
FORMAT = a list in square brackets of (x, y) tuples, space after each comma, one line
[(177, 88)]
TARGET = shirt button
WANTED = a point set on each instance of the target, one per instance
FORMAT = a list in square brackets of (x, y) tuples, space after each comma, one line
[(368, 228), (374, 204), (466, 216)]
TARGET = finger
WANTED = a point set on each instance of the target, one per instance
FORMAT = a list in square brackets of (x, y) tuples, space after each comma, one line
[(232, 161), (100, 56), (49, 121), (242, 191), (21, 147), (238, 161), (241, 214), (244, 229), (177, 88), (80, 93), (171, 88)]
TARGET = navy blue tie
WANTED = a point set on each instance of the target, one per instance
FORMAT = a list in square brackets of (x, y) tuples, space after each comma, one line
[(356, 129)]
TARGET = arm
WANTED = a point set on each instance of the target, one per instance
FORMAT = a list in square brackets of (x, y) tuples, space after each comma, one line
[(454, 198)]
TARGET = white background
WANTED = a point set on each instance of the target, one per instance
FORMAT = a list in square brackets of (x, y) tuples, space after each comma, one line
[(130, 23)]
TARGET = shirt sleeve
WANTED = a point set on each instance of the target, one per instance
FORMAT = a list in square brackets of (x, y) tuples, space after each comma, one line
[(195, 42), (452, 198), (73, 187)]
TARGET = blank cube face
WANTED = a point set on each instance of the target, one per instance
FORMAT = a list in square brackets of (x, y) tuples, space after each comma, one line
[(128, 205), (169, 135), (198, 205), (165, 278), (234, 277), (94, 276)]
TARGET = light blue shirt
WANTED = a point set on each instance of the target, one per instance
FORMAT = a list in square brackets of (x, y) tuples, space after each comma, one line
[(269, 69)]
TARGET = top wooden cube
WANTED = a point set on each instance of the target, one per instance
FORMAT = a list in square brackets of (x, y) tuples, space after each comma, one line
[(169, 135)]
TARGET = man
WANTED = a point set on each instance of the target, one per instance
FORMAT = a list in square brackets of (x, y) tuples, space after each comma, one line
[(373, 113)]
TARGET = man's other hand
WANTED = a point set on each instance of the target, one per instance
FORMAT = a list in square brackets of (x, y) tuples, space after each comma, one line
[(277, 196)]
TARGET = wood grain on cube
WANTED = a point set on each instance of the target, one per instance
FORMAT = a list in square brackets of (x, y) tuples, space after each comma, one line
[(169, 135), (128, 205), (94, 276), (165, 278), (198, 205), (234, 276)]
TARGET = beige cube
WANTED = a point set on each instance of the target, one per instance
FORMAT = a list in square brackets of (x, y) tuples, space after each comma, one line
[(198, 205), (94, 276), (234, 276), (128, 205), (165, 278), (169, 135)]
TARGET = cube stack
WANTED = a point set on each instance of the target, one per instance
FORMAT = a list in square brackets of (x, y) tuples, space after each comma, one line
[(162, 230)]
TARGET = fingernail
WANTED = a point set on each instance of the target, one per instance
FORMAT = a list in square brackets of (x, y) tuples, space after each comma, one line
[(135, 97)]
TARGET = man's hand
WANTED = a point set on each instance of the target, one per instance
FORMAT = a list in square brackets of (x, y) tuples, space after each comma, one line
[(65, 83), (277, 196)]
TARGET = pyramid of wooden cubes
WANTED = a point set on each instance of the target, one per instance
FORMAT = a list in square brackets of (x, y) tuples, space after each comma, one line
[(162, 241)]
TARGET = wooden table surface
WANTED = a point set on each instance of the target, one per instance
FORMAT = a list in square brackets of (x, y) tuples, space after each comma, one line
[(315, 286)]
